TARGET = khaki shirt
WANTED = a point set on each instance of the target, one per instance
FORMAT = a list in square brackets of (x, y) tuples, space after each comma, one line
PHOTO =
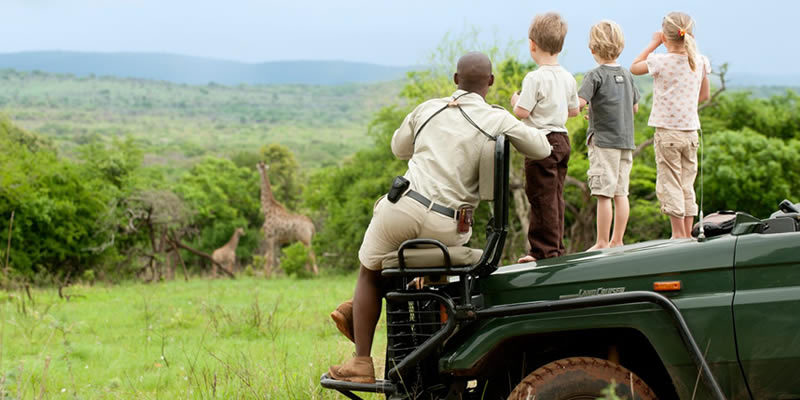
[(443, 164)]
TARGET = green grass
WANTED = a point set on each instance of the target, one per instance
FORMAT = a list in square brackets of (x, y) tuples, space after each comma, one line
[(205, 339)]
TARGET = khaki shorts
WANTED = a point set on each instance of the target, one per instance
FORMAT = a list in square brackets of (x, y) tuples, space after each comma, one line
[(676, 168), (393, 224), (609, 171)]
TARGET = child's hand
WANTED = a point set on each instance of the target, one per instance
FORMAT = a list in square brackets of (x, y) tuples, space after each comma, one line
[(514, 99), (657, 38)]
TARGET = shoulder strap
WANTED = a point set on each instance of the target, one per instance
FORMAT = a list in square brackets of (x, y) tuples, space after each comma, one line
[(452, 103), (428, 120), (473, 123)]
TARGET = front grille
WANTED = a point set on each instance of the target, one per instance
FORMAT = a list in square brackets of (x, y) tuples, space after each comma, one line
[(408, 325)]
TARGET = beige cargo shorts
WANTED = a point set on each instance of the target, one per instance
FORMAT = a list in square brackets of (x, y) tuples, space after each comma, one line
[(676, 167), (393, 224), (609, 171)]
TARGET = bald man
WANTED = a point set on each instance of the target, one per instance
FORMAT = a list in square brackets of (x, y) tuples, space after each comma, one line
[(442, 144)]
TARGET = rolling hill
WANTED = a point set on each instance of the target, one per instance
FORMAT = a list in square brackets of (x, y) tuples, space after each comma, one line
[(178, 123), (198, 70)]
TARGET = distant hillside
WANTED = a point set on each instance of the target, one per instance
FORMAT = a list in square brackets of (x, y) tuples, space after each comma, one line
[(177, 123), (198, 70)]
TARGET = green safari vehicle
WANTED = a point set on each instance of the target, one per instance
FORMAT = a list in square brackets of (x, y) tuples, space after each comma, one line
[(713, 318)]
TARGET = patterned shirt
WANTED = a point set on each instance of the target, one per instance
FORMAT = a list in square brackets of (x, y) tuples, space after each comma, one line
[(675, 90)]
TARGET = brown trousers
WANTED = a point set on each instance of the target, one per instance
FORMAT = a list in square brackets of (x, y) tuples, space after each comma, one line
[(544, 186)]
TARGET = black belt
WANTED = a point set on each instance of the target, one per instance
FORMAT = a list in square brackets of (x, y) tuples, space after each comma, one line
[(446, 211)]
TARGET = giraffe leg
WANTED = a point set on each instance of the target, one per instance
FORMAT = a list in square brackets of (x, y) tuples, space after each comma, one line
[(229, 266), (304, 236), (269, 258), (313, 257)]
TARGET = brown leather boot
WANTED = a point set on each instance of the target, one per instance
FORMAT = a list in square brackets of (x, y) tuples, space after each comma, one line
[(357, 369), (343, 317)]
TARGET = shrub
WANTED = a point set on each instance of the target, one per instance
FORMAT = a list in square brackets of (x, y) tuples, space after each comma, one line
[(296, 260)]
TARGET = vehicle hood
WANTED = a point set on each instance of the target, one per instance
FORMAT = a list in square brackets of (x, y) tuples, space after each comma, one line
[(632, 267)]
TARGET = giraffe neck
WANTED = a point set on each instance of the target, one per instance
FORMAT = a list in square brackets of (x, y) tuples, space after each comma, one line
[(267, 199), (234, 240)]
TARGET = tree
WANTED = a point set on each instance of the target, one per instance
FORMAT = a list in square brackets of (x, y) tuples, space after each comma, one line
[(747, 171), (222, 198), (284, 171), (56, 204)]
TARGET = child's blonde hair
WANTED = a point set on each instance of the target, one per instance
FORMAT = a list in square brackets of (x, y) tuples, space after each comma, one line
[(606, 40), (548, 32), (678, 27)]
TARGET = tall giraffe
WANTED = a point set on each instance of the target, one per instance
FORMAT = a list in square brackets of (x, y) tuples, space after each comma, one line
[(226, 255), (280, 226)]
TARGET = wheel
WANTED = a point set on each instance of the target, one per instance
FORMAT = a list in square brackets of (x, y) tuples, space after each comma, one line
[(580, 378)]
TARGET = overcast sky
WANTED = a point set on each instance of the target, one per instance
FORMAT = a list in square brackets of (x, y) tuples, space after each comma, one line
[(753, 36)]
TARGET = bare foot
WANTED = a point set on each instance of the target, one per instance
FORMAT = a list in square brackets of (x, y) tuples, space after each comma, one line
[(597, 246), (616, 244), (526, 259)]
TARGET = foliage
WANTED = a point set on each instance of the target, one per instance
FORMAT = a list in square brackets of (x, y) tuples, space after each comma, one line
[(56, 204), (14, 134), (116, 162), (776, 117), (176, 124), (609, 393), (750, 172), (295, 261), (223, 197), (285, 174)]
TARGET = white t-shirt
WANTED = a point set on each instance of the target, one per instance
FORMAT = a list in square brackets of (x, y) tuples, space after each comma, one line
[(548, 92), (676, 89)]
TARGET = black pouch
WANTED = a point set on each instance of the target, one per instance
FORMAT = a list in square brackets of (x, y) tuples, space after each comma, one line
[(715, 224), (399, 186)]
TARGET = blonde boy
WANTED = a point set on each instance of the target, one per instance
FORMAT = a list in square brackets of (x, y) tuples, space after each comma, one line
[(547, 99), (613, 99)]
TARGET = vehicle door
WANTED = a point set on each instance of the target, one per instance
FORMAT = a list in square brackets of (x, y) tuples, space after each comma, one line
[(766, 310)]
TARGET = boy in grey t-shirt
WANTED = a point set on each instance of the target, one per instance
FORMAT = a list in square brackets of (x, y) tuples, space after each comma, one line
[(613, 99)]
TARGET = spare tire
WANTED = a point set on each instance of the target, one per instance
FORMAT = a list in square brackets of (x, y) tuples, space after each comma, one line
[(581, 378)]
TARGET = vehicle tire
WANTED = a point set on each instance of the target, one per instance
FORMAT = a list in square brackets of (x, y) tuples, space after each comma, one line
[(580, 378)]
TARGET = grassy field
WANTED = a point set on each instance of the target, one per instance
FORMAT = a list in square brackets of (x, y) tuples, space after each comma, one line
[(205, 339)]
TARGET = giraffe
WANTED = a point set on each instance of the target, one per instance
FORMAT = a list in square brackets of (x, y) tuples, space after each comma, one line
[(280, 226), (226, 255)]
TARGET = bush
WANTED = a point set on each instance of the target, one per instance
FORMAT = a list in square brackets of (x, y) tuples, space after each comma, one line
[(296, 260), (747, 171)]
